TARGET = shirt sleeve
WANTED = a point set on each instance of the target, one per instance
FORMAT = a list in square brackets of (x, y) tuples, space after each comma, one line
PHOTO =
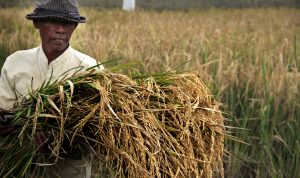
[(7, 94)]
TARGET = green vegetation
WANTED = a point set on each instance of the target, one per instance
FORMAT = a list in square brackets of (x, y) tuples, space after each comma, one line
[(170, 4), (248, 58)]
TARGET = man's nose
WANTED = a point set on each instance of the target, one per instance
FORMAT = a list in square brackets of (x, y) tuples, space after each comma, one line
[(60, 28)]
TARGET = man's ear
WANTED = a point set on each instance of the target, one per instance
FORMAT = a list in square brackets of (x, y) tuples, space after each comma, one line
[(35, 24)]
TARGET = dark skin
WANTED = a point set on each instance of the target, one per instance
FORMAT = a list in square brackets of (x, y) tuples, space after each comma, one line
[(5, 118), (6, 129), (55, 38)]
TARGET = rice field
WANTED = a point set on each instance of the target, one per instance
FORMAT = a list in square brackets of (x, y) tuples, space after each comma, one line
[(250, 60)]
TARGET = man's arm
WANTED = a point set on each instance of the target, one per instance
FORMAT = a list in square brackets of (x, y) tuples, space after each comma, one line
[(7, 100), (7, 94)]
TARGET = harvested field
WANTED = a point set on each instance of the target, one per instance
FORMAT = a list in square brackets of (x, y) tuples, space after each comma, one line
[(248, 58)]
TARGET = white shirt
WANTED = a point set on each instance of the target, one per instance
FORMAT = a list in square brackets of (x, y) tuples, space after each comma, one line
[(27, 70)]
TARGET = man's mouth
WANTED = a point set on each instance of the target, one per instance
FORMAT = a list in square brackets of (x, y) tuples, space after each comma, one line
[(59, 40)]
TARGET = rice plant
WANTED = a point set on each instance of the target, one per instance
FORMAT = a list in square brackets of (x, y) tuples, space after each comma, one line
[(146, 127), (248, 58)]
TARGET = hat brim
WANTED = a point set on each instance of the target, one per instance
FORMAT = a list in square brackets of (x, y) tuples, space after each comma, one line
[(46, 14)]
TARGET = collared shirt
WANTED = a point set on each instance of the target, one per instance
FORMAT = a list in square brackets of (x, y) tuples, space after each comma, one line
[(27, 70)]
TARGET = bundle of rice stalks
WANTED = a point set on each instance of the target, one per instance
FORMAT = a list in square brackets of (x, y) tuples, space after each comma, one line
[(160, 126)]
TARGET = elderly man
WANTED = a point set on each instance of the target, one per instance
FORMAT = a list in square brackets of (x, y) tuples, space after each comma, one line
[(26, 70)]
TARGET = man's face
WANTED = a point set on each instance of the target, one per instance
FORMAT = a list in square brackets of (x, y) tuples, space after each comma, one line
[(55, 35)]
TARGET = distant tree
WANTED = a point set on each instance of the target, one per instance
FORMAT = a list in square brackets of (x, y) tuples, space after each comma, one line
[(168, 4), (15, 3)]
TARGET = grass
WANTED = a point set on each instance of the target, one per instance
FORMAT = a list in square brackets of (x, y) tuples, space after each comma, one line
[(248, 58)]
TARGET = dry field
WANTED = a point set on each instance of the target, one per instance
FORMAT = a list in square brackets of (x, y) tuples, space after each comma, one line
[(250, 59)]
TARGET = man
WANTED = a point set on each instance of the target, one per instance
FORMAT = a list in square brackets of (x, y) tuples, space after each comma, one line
[(26, 70)]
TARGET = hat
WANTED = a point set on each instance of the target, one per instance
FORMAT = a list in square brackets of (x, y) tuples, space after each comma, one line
[(60, 10)]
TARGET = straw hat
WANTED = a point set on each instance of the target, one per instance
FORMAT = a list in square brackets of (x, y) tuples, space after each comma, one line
[(58, 10)]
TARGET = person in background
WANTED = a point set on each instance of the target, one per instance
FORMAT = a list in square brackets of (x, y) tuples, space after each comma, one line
[(26, 70)]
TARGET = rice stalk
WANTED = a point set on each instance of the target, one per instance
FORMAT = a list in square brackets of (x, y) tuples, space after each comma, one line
[(160, 126)]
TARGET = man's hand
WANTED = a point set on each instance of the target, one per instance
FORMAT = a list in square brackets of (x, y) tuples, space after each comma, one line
[(5, 128), (41, 141)]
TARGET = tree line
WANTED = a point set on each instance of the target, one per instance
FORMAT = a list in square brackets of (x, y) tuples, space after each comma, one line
[(171, 4)]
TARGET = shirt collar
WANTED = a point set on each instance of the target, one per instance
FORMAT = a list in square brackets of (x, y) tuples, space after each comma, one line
[(65, 55)]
